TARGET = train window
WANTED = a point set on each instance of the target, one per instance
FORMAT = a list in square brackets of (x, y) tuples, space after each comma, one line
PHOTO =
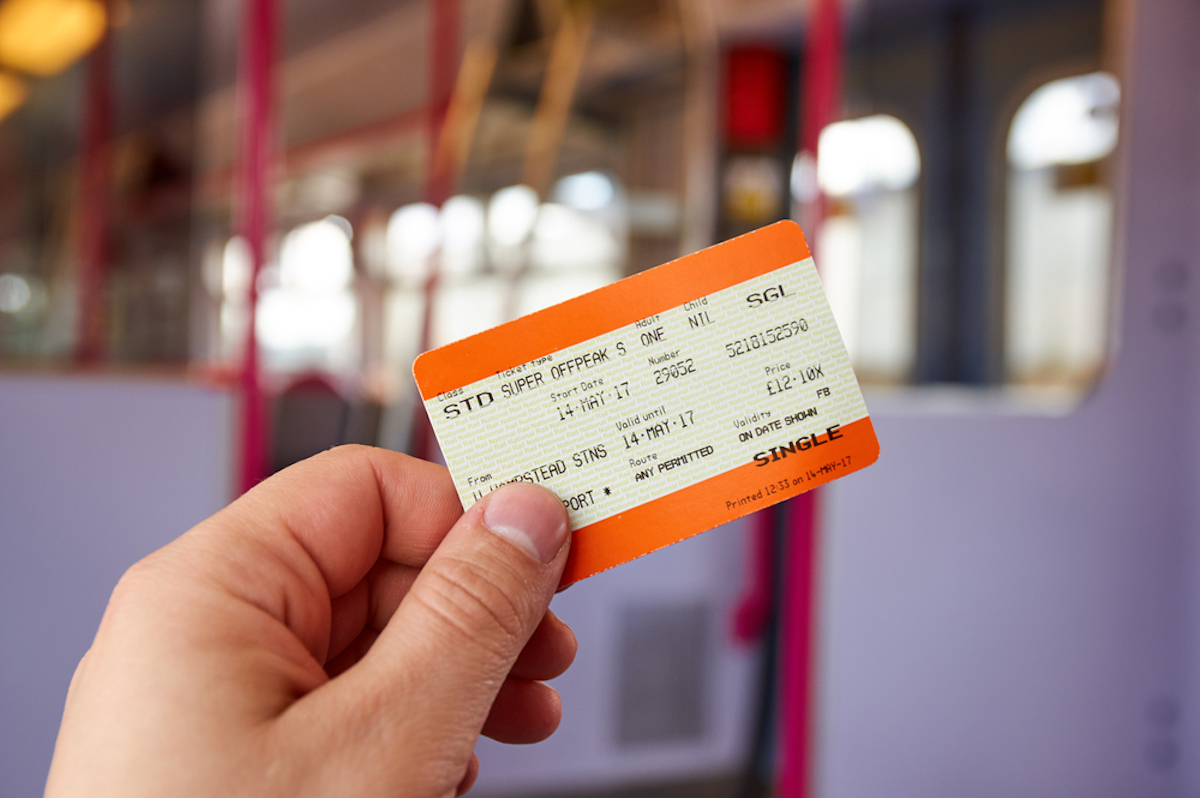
[(1058, 246), (868, 168), (512, 213), (502, 258), (463, 307), (308, 312), (466, 301), (228, 271), (577, 244), (14, 293), (413, 235), (462, 234)]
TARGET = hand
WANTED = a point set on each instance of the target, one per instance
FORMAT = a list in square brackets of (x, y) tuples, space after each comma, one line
[(342, 629)]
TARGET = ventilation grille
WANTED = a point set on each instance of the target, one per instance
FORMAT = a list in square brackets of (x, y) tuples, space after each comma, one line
[(663, 672)]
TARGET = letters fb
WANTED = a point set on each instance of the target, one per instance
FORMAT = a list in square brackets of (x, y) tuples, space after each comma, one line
[(662, 405)]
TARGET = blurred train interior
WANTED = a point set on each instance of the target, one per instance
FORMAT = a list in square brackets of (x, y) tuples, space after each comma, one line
[(227, 227)]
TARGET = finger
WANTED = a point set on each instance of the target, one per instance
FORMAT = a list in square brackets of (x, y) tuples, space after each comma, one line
[(485, 590), (435, 670), (549, 652), (468, 780), (349, 657), (390, 583), (340, 503), (524, 712), (348, 618), (314, 530), (547, 655)]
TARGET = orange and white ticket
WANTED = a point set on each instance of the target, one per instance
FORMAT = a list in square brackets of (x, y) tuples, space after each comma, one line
[(662, 405)]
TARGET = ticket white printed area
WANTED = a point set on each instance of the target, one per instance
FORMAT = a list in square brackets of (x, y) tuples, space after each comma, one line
[(672, 423)]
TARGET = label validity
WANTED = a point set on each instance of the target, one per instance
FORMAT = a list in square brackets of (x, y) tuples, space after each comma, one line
[(662, 405)]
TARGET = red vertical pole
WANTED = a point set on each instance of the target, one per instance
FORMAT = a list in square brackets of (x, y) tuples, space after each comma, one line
[(822, 78), (94, 217), (257, 159), (821, 83), (443, 63), (753, 610), (797, 647), (443, 67)]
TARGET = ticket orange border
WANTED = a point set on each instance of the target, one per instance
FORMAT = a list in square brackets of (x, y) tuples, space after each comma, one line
[(696, 508)]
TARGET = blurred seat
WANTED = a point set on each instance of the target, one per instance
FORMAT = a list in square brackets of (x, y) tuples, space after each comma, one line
[(311, 415)]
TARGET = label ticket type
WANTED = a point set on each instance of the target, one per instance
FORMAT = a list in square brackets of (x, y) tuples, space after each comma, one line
[(662, 405)]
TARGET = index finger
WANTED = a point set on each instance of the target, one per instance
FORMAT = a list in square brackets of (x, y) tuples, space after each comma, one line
[(347, 508), (351, 505), (312, 532)]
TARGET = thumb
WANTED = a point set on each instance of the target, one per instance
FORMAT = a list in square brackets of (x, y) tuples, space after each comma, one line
[(450, 645), (482, 593)]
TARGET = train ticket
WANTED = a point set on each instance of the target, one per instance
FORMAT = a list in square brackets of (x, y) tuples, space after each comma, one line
[(662, 405)]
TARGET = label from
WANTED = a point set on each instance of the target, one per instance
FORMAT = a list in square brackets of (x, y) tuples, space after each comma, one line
[(662, 405)]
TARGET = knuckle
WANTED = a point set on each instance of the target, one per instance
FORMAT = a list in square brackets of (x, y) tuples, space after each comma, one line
[(136, 579)]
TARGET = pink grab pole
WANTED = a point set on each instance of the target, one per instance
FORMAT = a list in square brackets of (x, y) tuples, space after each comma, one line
[(822, 91), (443, 62), (94, 217), (257, 160), (798, 647)]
